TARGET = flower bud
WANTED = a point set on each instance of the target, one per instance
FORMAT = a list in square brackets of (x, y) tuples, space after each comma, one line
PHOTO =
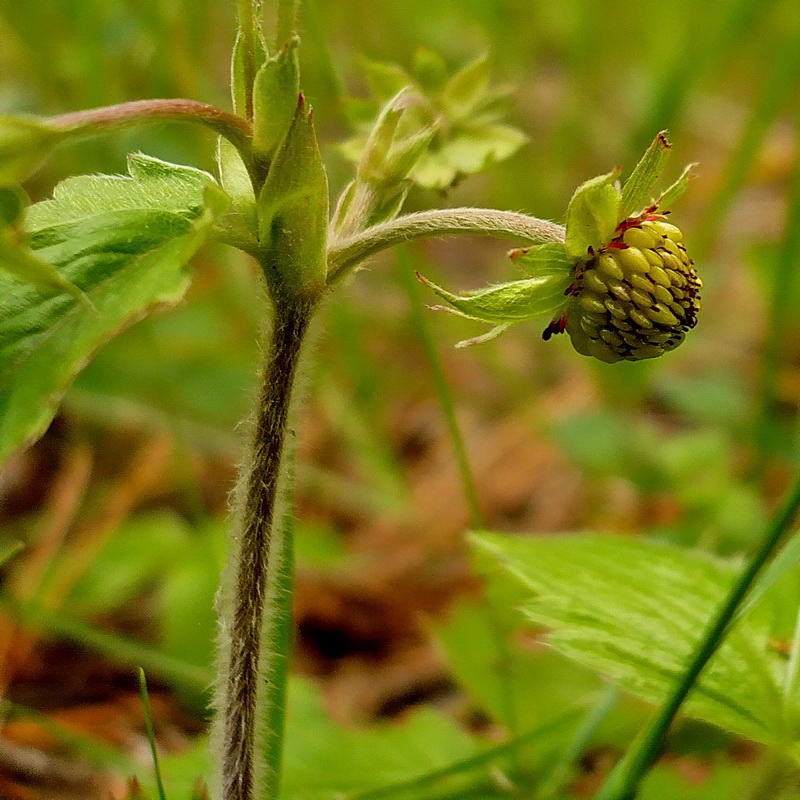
[(636, 297)]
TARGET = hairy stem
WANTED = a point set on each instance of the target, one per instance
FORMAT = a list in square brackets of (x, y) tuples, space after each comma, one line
[(95, 121), (347, 253), (247, 31), (287, 21), (250, 574), (623, 783)]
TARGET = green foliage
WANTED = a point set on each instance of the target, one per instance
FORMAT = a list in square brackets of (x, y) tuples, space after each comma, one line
[(509, 302), (275, 91), (634, 610), (637, 193), (593, 214), (463, 109), (24, 143), (124, 242), (16, 257), (293, 212)]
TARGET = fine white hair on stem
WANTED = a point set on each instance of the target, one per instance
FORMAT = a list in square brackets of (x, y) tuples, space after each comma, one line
[(347, 253)]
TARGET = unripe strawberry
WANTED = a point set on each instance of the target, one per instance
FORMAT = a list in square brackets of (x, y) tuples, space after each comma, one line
[(636, 297)]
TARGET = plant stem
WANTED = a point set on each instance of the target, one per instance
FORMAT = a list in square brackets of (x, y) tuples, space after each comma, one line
[(624, 780), (247, 32), (95, 121), (287, 21), (277, 637), (250, 576), (347, 253), (783, 283)]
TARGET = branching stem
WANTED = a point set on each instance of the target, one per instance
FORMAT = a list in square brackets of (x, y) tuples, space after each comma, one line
[(347, 253), (95, 121)]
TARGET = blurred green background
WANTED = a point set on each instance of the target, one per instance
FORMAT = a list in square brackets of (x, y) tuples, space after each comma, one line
[(123, 502)]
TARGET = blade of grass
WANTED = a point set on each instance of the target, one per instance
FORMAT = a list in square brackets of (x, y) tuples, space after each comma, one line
[(709, 49), (407, 270), (151, 733), (560, 770), (92, 750), (784, 291), (777, 83), (115, 647), (431, 779), (623, 782)]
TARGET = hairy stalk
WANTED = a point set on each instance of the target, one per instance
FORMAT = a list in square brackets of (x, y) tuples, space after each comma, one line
[(95, 121), (248, 587), (287, 22), (623, 783), (247, 32), (347, 253)]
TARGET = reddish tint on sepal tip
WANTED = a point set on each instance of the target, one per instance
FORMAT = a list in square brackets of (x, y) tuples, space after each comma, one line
[(636, 297)]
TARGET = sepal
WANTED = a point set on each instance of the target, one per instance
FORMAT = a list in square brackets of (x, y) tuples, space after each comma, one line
[(508, 302), (593, 214), (638, 190), (293, 212), (674, 192), (275, 91), (24, 143)]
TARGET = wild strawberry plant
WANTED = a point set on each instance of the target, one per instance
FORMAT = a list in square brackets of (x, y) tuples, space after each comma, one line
[(618, 279)]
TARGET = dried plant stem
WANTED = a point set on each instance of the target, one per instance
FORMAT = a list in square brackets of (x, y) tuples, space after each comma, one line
[(347, 253), (247, 588)]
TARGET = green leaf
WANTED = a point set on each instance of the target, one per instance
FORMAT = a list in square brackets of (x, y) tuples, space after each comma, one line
[(543, 259), (385, 80), (509, 302), (634, 610), (467, 151), (24, 143), (371, 164), (675, 192), (275, 92), (637, 192), (124, 241), (593, 214), (466, 88), (142, 550), (15, 255), (293, 212)]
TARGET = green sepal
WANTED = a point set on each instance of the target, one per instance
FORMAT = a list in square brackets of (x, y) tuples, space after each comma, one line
[(236, 182), (674, 192), (385, 80), (293, 212), (543, 259), (17, 258), (239, 79), (405, 154), (508, 302), (275, 91), (24, 143), (593, 214), (380, 139), (429, 68), (467, 88), (489, 336), (638, 190)]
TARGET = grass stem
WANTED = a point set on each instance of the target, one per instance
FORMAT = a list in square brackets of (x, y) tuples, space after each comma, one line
[(624, 780)]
